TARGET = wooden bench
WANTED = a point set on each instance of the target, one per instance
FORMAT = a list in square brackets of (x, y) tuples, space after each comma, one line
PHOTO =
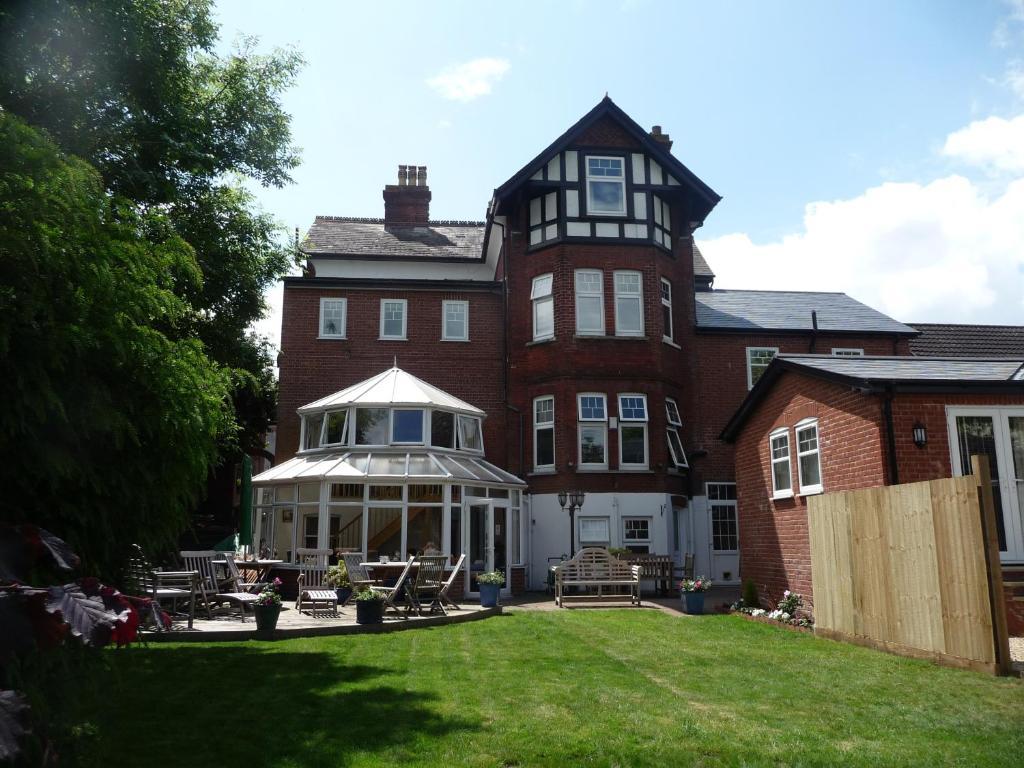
[(595, 567)]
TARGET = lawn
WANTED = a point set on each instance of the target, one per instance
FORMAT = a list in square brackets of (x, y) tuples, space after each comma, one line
[(605, 688)]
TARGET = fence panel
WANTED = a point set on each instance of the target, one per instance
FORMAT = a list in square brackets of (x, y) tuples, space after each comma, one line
[(906, 569)]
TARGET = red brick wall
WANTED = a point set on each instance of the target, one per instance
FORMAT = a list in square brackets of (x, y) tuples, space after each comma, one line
[(312, 368), (774, 544), (721, 369)]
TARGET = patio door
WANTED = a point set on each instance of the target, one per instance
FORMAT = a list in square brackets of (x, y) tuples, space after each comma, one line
[(999, 434), (488, 541)]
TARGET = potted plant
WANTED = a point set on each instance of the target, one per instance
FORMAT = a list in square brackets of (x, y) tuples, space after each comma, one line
[(691, 591), (268, 607), (337, 577), (618, 552), (490, 587), (369, 607)]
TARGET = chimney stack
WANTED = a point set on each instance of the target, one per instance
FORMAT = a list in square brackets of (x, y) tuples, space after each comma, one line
[(661, 138), (408, 202)]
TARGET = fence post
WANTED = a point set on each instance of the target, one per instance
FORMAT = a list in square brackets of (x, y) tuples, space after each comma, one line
[(1000, 634)]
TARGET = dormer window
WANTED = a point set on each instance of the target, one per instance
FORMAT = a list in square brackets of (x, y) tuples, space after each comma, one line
[(606, 186)]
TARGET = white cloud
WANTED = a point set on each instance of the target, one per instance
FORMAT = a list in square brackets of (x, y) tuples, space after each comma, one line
[(468, 81), (939, 252), (995, 143), (1014, 78)]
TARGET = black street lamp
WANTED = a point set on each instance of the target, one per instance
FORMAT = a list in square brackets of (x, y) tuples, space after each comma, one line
[(571, 500)]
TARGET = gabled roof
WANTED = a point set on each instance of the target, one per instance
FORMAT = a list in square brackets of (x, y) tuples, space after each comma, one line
[(390, 388), (896, 374), (607, 108), (968, 340), (702, 274), (791, 311), (371, 238)]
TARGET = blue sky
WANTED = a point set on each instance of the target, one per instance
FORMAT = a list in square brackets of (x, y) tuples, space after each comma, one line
[(870, 147)]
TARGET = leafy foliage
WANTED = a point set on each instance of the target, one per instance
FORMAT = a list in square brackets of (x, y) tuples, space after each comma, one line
[(112, 415)]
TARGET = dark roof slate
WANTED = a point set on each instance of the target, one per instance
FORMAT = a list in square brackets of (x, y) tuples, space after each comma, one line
[(369, 238), (909, 369), (790, 311), (968, 340), (701, 268)]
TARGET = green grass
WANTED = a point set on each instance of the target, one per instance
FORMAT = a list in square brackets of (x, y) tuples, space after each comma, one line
[(615, 688)]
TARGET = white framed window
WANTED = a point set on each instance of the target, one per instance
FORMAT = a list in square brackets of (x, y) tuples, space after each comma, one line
[(676, 454), (455, 320), (469, 436), (544, 433), (633, 431), (636, 529), (606, 186), (442, 429), (847, 352), (336, 428), (407, 426), (392, 319), (589, 302), (593, 430), (543, 308), (662, 222), (808, 454), (724, 523), (629, 304), (312, 427), (544, 218), (594, 530), (667, 331), (758, 360), (332, 318), (782, 471)]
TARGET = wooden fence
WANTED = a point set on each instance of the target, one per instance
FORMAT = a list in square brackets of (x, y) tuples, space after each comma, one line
[(912, 569)]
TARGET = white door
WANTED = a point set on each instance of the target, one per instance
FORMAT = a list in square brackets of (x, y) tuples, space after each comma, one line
[(999, 434), (723, 531), (488, 541)]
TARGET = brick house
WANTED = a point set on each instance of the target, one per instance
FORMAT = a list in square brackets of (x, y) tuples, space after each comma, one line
[(819, 423), (582, 319)]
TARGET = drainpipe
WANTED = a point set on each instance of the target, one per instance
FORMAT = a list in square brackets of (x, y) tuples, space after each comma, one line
[(814, 330), (890, 437)]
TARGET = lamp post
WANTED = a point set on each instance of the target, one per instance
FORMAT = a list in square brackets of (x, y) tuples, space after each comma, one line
[(571, 500)]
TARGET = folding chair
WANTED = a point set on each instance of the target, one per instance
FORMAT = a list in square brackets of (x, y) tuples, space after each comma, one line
[(442, 596), (427, 584), (358, 574), (389, 593), (312, 590)]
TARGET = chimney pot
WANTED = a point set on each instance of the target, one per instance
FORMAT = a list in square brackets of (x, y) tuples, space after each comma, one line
[(421, 176), (402, 175)]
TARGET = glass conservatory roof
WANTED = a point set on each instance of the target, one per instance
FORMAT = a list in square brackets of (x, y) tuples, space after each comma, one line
[(392, 387), (413, 467)]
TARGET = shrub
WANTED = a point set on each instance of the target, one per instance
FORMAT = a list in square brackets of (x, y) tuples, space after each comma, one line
[(751, 599)]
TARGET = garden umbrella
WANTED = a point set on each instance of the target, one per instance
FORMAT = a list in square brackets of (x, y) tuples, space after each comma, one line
[(245, 505)]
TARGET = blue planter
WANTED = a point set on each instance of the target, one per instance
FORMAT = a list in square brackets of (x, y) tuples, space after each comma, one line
[(693, 602), (489, 594)]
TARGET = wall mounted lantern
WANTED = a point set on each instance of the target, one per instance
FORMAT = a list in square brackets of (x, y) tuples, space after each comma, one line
[(920, 435)]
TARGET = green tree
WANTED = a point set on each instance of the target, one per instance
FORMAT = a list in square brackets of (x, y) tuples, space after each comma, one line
[(111, 414), (135, 88)]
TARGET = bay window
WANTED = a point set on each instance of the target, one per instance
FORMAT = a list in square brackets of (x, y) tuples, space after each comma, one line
[(676, 454), (633, 431), (544, 433), (629, 308), (666, 311), (543, 308), (589, 302), (593, 431)]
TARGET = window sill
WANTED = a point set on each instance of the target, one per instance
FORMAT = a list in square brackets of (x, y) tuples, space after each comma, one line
[(392, 338), (667, 340), (332, 338), (782, 495), (542, 472), (605, 470), (457, 341), (535, 342), (607, 337), (813, 490)]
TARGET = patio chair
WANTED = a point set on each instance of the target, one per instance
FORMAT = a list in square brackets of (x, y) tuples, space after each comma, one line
[(312, 590), (146, 581), (214, 590), (427, 584), (442, 596), (389, 593), (358, 574)]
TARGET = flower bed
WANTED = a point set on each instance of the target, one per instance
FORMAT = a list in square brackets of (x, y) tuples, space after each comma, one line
[(789, 611)]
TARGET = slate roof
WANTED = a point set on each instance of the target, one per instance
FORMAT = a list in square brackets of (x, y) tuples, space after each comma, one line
[(790, 311), (968, 340), (876, 374), (370, 238), (701, 269)]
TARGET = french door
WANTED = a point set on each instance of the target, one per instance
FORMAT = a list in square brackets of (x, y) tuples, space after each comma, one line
[(999, 434), (488, 541)]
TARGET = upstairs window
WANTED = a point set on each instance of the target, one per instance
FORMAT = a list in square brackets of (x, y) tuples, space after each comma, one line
[(589, 302), (662, 222), (808, 456), (847, 352), (676, 454), (633, 431), (392, 319), (544, 218), (544, 433), (455, 320), (332, 318), (593, 431), (782, 474), (629, 306), (666, 311), (606, 186), (543, 308), (758, 360)]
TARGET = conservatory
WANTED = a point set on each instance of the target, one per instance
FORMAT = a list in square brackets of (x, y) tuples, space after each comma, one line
[(392, 467)]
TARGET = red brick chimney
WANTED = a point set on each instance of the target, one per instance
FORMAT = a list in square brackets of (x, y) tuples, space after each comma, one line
[(408, 202), (662, 138)]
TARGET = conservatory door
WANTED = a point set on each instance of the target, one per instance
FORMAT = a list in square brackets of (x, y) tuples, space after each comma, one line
[(999, 434), (488, 542)]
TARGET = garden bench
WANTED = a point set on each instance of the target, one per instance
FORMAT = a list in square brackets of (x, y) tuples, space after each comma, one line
[(595, 567)]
